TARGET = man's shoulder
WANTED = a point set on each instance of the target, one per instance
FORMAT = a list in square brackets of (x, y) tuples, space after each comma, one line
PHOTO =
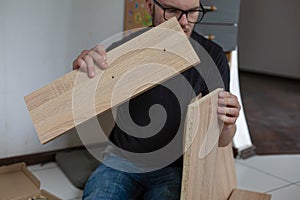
[(210, 46)]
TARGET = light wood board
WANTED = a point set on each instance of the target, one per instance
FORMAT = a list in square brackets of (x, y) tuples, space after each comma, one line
[(134, 67), (208, 171), (238, 194)]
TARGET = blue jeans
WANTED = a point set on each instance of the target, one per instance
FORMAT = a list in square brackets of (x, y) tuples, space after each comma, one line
[(107, 183)]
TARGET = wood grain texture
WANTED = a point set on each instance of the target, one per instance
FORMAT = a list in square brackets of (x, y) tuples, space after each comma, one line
[(134, 67), (238, 194), (208, 171)]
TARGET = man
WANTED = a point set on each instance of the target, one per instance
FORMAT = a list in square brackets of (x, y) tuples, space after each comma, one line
[(163, 183)]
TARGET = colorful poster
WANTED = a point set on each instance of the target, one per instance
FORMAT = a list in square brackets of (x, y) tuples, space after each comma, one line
[(136, 15)]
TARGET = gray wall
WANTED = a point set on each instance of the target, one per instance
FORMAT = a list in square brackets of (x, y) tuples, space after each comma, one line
[(269, 37), (38, 41)]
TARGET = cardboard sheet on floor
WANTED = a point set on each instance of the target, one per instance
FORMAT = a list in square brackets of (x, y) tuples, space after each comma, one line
[(18, 183)]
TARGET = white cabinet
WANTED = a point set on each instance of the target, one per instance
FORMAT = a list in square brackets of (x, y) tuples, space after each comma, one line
[(269, 41)]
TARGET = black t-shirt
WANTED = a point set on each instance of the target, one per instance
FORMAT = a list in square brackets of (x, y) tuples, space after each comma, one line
[(174, 97)]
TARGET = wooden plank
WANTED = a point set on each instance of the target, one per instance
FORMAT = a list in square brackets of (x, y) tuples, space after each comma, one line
[(238, 194), (208, 171), (74, 98)]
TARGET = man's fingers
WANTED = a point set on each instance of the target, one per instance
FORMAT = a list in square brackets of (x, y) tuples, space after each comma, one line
[(228, 111), (87, 60), (229, 107), (84, 53), (76, 64), (227, 119), (79, 62), (228, 99), (90, 66), (98, 59), (100, 56), (101, 50)]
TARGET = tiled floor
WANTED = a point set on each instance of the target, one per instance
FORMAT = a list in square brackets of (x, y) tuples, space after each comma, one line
[(277, 175)]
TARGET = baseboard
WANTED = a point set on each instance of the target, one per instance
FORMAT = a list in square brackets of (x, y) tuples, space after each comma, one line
[(36, 158), (49, 156), (270, 74)]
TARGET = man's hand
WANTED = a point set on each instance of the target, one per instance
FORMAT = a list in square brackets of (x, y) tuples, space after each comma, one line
[(228, 111), (89, 58)]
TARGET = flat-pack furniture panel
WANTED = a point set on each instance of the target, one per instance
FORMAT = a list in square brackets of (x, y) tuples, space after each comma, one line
[(208, 171), (134, 67)]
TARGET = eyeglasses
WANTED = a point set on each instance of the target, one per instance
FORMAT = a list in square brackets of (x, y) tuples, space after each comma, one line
[(193, 15)]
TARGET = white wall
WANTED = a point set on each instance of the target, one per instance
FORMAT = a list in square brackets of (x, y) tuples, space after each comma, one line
[(38, 41), (269, 39)]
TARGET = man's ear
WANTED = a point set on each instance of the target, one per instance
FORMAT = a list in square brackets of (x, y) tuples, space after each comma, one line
[(149, 6)]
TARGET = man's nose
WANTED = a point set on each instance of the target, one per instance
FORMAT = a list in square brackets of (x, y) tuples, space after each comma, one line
[(183, 19)]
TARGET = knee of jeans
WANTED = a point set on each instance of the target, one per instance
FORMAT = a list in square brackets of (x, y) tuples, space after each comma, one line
[(171, 192), (106, 183)]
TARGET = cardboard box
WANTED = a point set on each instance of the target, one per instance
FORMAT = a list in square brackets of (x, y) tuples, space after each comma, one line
[(18, 183)]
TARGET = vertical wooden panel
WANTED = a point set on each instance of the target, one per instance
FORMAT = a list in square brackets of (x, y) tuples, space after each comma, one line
[(209, 171)]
